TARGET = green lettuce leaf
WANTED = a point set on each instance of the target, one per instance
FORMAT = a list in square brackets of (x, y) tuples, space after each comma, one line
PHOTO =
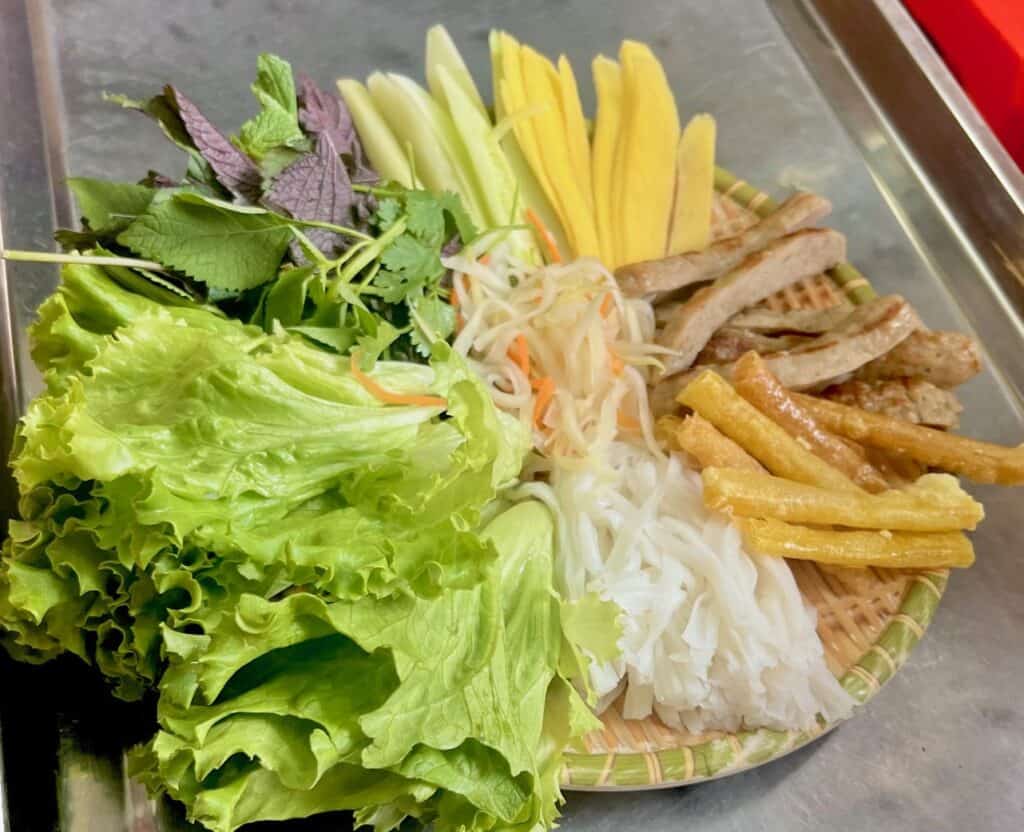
[(181, 459), (445, 709)]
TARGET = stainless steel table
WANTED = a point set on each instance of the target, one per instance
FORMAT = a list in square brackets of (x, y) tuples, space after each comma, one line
[(844, 97)]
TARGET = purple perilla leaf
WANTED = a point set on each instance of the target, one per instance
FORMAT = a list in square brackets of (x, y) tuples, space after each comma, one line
[(233, 169), (316, 187)]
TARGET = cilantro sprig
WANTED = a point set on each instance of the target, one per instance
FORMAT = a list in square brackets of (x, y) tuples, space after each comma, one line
[(386, 293)]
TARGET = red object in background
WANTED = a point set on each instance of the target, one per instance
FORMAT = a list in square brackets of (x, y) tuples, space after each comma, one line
[(982, 41)]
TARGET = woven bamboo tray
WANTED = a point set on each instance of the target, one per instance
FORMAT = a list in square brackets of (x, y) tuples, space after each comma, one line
[(868, 620)]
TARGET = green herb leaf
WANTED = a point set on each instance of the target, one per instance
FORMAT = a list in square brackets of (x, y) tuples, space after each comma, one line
[(284, 301), (70, 240), (379, 336), (456, 209), (225, 246), (109, 206), (408, 265), (277, 159), (388, 211), (425, 218), (277, 123), (332, 337), (433, 320)]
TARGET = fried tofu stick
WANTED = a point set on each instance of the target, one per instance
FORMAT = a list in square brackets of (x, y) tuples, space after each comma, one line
[(935, 503), (980, 461), (705, 443), (715, 399), (890, 550), (756, 383)]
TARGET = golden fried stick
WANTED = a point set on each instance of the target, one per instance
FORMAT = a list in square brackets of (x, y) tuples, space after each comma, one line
[(903, 550), (703, 441), (935, 503), (898, 469), (714, 398), (979, 461), (756, 383)]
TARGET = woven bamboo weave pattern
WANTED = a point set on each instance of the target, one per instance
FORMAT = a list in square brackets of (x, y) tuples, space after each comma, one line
[(868, 620)]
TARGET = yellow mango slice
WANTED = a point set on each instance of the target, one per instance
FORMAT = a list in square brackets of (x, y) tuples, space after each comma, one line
[(543, 87), (513, 95), (544, 124), (649, 140), (608, 83), (533, 195), (695, 182), (619, 216), (575, 130)]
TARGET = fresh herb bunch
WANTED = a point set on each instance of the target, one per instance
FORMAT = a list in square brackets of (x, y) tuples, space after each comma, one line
[(284, 225)]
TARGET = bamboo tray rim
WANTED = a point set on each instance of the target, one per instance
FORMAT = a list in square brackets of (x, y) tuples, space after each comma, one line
[(744, 750)]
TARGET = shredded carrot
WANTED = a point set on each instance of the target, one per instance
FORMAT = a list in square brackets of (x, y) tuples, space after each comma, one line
[(606, 305), (484, 260), (618, 365), (627, 422), (453, 299), (387, 396), (520, 353), (545, 392), (554, 256)]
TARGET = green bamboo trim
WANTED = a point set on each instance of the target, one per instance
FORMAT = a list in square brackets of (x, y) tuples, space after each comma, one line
[(856, 287), (744, 193), (718, 757)]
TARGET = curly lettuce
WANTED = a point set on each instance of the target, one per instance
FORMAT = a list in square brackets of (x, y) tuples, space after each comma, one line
[(448, 710), (180, 457)]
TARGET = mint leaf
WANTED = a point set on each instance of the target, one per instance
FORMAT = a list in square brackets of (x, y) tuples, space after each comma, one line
[(277, 123), (433, 320), (109, 206), (274, 85), (316, 187), (234, 170), (227, 247)]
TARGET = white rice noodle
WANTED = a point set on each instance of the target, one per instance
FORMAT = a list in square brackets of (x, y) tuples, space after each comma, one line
[(713, 638)]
